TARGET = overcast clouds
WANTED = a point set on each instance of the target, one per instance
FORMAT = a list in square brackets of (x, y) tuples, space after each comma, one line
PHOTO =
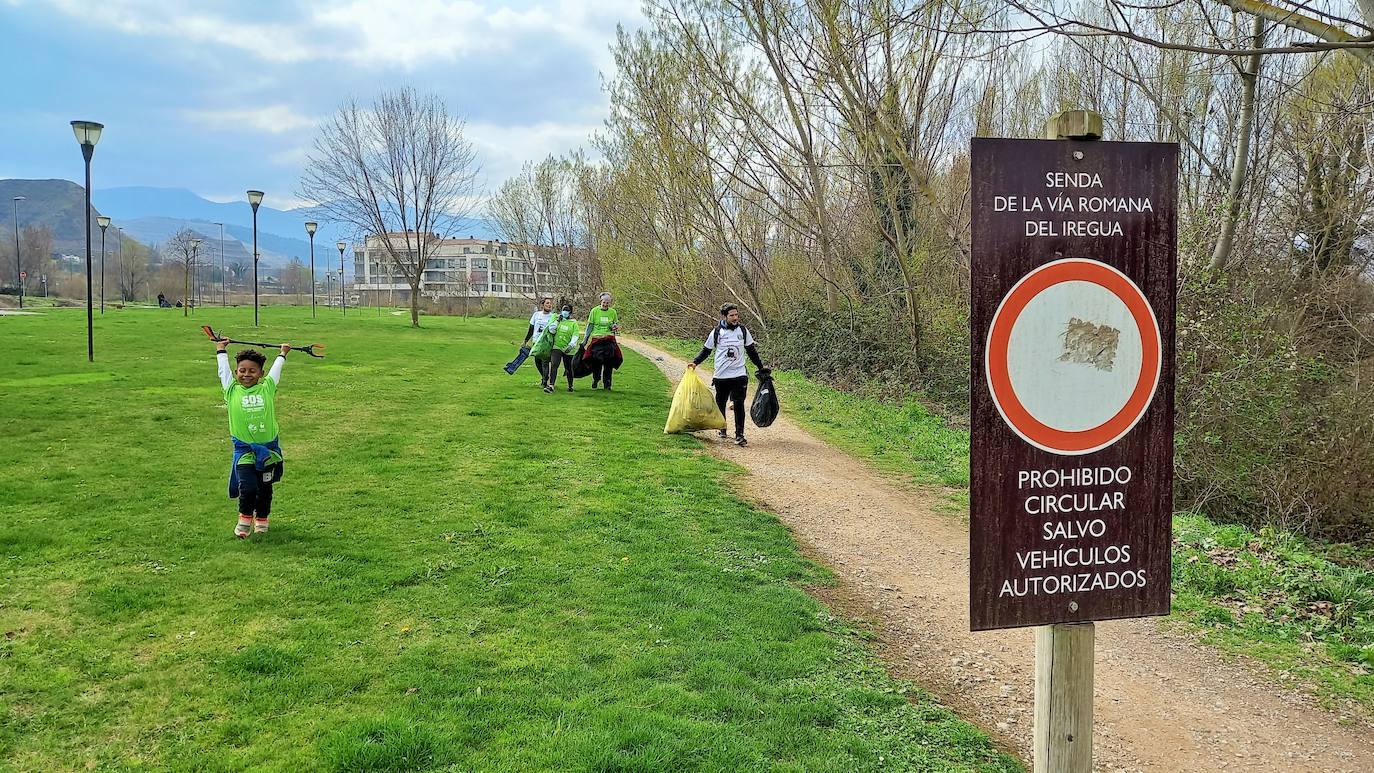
[(219, 97)]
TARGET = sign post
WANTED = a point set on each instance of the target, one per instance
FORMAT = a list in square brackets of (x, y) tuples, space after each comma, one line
[(1071, 489)]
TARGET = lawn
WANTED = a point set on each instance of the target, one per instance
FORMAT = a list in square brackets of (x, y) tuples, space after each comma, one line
[(462, 573)]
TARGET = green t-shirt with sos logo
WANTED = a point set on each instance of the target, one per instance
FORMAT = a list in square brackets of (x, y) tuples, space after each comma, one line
[(253, 414)]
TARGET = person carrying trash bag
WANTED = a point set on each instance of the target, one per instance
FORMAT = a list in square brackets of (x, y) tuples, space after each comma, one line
[(731, 342), (539, 320), (600, 354), (560, 341)]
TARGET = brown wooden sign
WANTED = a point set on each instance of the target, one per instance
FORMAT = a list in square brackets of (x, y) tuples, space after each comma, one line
[(1072, 391)]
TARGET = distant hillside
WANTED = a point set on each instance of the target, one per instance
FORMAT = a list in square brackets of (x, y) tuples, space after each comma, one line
[(153, 215), (279, 231), (58, 204)]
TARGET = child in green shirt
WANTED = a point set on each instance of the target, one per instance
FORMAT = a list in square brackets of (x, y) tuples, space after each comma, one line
[(257, 457)]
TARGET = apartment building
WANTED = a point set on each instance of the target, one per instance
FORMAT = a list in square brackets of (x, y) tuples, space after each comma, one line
[(457, 268)]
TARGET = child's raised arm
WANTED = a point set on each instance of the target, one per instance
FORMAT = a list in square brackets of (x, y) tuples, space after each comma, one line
[(226, 374), (275, 372)]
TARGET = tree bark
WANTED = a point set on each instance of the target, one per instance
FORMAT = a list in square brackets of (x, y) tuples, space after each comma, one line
[(1249, 76)]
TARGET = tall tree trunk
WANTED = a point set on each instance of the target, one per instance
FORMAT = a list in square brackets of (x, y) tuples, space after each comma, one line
[(1249, 76)]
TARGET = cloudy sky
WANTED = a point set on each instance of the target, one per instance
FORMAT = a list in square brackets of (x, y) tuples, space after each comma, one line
[(219, 97)]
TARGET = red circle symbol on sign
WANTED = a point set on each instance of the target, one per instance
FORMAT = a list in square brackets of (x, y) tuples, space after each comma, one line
[(1073, 356)]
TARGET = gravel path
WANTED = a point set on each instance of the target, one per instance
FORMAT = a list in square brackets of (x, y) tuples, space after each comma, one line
[(1163, 701)]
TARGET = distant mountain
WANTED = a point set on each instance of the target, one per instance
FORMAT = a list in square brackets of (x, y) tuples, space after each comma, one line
[(58, 204), (153, 215), (281, 233)]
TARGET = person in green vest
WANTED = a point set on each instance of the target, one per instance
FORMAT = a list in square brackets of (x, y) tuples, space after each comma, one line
[(256, 461), (600, 349), (561, 337)]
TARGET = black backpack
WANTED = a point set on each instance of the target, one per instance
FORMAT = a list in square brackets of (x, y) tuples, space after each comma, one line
[(765, 406)]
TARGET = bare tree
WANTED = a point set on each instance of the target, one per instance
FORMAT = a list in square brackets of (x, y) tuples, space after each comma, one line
[(181, 251), (400, 170)]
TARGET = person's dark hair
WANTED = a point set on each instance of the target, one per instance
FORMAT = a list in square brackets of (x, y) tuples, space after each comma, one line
[(567, 307), (726, 308), (250, 354)]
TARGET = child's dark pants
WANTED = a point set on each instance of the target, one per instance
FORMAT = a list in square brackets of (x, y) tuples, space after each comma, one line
[(255, 493)]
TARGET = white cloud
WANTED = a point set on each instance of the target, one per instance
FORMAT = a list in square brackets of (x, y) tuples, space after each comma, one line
[(276, 119), (503, 149), (375, 32), (170, 19)]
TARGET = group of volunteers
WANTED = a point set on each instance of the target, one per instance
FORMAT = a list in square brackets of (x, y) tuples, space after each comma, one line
[(555, 342)]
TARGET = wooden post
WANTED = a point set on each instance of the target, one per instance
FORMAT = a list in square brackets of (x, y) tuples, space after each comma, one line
[(1063, 729), (1064, 698)]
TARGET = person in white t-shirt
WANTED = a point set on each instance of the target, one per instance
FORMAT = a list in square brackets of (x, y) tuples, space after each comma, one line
[(538, 321), (731, 342)]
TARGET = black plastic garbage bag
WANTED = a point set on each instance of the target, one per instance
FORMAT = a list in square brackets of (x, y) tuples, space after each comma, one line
[(765, 406)]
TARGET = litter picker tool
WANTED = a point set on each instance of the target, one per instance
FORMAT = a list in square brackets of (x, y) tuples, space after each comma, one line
[(309, 349)]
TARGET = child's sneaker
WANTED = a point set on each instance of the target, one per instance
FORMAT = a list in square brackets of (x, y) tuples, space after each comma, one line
[(259, 525), (244, 528), (740, 441)]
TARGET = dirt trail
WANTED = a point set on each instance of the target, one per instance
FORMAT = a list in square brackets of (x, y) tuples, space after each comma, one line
[(1163, 702)]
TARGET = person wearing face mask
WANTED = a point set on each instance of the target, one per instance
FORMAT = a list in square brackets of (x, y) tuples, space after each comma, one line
[(731, 342), (562, 338)]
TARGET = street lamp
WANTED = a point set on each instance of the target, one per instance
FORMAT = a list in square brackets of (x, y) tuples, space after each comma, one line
[(103, 222), (18, 267), (310, 228), (343, 299), (254, 199), (87, 135), (223, 293), (186, 294)]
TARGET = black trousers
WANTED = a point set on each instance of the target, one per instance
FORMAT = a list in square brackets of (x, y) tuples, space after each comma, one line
[(728, 389), (601, 374), (542, 363), (255, 493), (558, 357)]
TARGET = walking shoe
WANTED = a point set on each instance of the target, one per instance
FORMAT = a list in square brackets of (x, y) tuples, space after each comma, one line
[(259, 525), (740, 441), (722, 434), (596, 382), (570, 387), (548, 390), (244, 528)]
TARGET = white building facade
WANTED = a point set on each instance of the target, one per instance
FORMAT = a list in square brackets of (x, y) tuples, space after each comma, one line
[(457, 268)]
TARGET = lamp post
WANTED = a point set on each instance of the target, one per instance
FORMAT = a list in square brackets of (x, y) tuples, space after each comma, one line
[(343, 299), (328, 287), (103, 222), (18, 267), (186, 294), (310, 228), (87, 135), (223, 293), (254, 199)]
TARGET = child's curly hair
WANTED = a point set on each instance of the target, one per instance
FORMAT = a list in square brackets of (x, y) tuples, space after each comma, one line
[(250, 354)]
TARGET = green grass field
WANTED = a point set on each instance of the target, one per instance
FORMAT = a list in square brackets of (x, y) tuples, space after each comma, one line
[(463, 572)]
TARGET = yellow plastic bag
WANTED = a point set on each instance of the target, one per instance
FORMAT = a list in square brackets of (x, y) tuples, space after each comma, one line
[(694, 407)]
